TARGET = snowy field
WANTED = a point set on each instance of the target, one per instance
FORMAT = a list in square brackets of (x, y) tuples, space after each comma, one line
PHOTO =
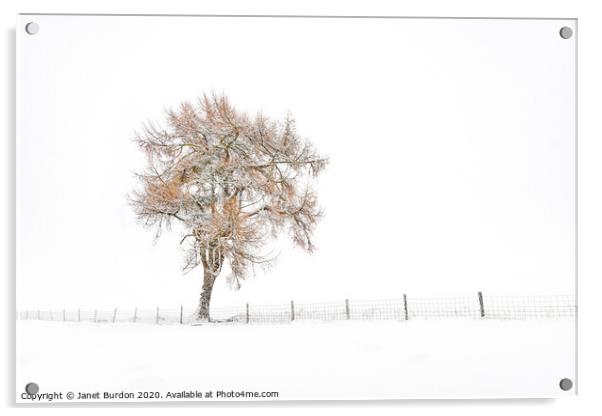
[(302, 360)]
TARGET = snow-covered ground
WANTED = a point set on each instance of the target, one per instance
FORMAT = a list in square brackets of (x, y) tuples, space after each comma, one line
[(302, 360)]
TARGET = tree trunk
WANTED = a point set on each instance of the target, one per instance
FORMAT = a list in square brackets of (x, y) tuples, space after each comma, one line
[(212, 260), (205, 300)]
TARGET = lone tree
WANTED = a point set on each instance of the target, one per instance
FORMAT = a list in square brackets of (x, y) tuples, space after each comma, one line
[(232, 181)]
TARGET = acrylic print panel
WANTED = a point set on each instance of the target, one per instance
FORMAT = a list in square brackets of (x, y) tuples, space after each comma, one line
[(410, 183)]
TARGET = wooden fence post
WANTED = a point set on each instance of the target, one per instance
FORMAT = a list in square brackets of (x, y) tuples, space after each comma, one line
[(181, 313), (347, 312), (114, 314), (157, 317), (135, 311), (405, 306), (292, 310), (481, 305), (247, 313)]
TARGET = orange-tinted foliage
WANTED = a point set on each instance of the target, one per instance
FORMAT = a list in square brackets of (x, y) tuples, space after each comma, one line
[(231, 180)]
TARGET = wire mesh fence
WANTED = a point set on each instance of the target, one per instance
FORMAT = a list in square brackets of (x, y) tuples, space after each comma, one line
[(401, 309), (456, 307)]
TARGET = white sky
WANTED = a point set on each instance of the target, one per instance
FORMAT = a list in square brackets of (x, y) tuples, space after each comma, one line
[(451, 145)]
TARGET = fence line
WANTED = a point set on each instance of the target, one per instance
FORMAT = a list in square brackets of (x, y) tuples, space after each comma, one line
[(402, 309)]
